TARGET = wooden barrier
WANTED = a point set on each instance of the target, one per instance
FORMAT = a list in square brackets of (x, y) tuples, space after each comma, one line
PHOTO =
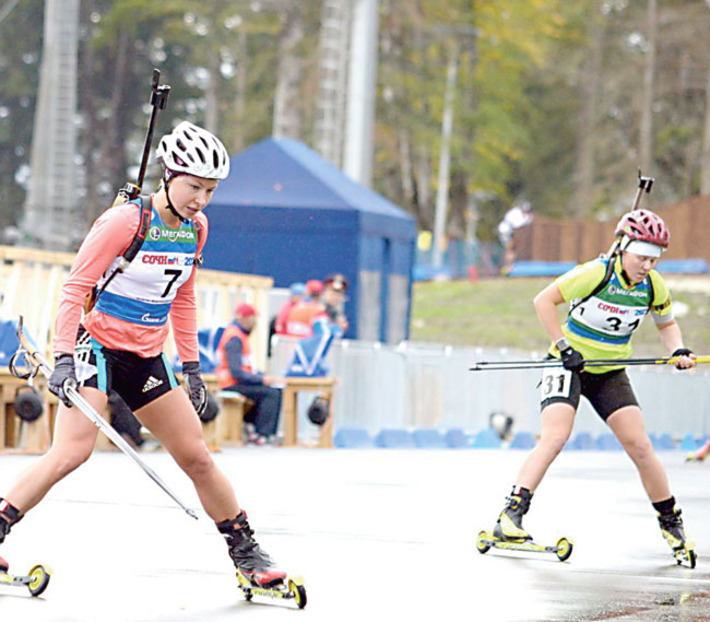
[(573, 239)]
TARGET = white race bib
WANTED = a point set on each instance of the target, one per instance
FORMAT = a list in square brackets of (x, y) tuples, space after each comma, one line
[(556, 382)]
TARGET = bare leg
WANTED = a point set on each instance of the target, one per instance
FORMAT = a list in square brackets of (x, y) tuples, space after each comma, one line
[(73, 443), (172, 419), (557, 423), (627, 424)]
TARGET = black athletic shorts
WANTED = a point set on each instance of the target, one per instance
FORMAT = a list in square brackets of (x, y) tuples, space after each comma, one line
[(137, 380), (607, 392)]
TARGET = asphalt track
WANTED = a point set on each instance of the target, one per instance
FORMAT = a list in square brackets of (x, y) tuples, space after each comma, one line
[(376, 534)]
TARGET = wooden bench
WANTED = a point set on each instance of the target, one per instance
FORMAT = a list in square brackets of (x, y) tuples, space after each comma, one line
[(289, 408), (226, 428)]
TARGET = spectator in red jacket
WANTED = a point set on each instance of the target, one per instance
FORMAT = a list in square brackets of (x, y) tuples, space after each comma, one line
[(296, 293), (304, 315)]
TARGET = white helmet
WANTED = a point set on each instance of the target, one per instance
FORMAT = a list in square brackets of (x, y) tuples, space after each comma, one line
[(192, 150)]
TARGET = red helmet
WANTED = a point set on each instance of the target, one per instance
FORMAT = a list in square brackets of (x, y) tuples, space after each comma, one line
[(644, 226)]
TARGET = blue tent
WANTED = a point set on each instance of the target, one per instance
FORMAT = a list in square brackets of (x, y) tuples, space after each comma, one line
[(287, 213)]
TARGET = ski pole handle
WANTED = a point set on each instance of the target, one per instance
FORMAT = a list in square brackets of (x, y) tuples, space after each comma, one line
[(645, 184)]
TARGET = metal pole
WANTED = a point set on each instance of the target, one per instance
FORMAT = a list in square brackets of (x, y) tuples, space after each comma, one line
[(357, 161), (442, 192)]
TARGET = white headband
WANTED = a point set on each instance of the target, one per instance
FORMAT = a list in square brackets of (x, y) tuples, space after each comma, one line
[(638, 247)]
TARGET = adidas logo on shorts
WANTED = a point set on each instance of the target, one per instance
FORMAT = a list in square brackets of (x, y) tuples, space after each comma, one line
[(151, 383)]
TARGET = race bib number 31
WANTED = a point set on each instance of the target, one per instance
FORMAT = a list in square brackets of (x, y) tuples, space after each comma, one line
[(556, 382)]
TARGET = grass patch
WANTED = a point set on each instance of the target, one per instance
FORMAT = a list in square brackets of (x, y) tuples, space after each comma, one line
[(500, 313)]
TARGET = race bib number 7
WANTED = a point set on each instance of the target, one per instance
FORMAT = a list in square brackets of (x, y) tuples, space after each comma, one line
[(556, 382)]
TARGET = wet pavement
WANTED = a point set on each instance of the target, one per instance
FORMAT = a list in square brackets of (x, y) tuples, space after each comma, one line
[(374, 533)]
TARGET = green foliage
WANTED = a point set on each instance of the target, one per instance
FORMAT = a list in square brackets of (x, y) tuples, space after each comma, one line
[(20, 46), (518, 98)]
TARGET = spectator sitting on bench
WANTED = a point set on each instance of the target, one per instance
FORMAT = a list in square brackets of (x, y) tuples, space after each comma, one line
[(235, 372)]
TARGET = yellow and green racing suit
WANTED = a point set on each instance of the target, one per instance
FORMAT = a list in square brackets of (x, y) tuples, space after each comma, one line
[(600, 326)]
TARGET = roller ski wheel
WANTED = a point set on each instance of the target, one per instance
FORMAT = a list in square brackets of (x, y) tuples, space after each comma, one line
[(36, 580), (486, 541), (686, 555), (292, 589), (692, 457), (672, 529)]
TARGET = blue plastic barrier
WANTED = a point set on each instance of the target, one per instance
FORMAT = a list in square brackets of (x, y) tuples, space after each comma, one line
[(541, 268), (665, 441), (395, 438), (9, 343), (608, 442), (683, 266), (688, 443), (583, 441), (523, 440), (422, 272), (456, 438), (429, 439), (487, 438), (352, 438)]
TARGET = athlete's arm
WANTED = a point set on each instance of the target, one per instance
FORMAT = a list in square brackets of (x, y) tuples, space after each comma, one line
[(672, 340), (546, 303), (183, 312), (108, 238)]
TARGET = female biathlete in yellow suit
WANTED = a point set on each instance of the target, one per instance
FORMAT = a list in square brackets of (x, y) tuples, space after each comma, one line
[(599, 325)]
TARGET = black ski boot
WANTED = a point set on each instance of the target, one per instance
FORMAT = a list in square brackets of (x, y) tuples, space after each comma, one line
[(249, 558), (509, 526), (9, 515)]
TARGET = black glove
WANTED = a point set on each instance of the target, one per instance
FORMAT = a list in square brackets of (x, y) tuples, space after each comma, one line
[(681, 352), (571, 359), (64, 374), (195, 386)]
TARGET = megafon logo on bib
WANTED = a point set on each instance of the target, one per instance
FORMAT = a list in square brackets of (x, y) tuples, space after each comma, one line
[(171, 235)]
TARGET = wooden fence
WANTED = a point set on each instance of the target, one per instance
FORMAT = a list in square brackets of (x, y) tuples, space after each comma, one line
[(568, 239)]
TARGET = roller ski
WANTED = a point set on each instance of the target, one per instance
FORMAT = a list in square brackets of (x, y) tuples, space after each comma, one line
[(672, 529), (693, 457), (487, 540), (36, 580), (256, 573), (509, 534)]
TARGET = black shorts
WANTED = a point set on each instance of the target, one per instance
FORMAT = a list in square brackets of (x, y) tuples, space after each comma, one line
[(607, 392), (137, 380)]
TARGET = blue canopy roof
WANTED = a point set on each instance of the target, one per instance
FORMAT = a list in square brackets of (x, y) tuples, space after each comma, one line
[(284, 173)]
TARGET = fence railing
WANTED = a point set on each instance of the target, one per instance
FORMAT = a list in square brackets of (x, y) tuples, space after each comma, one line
[(419, 386)]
